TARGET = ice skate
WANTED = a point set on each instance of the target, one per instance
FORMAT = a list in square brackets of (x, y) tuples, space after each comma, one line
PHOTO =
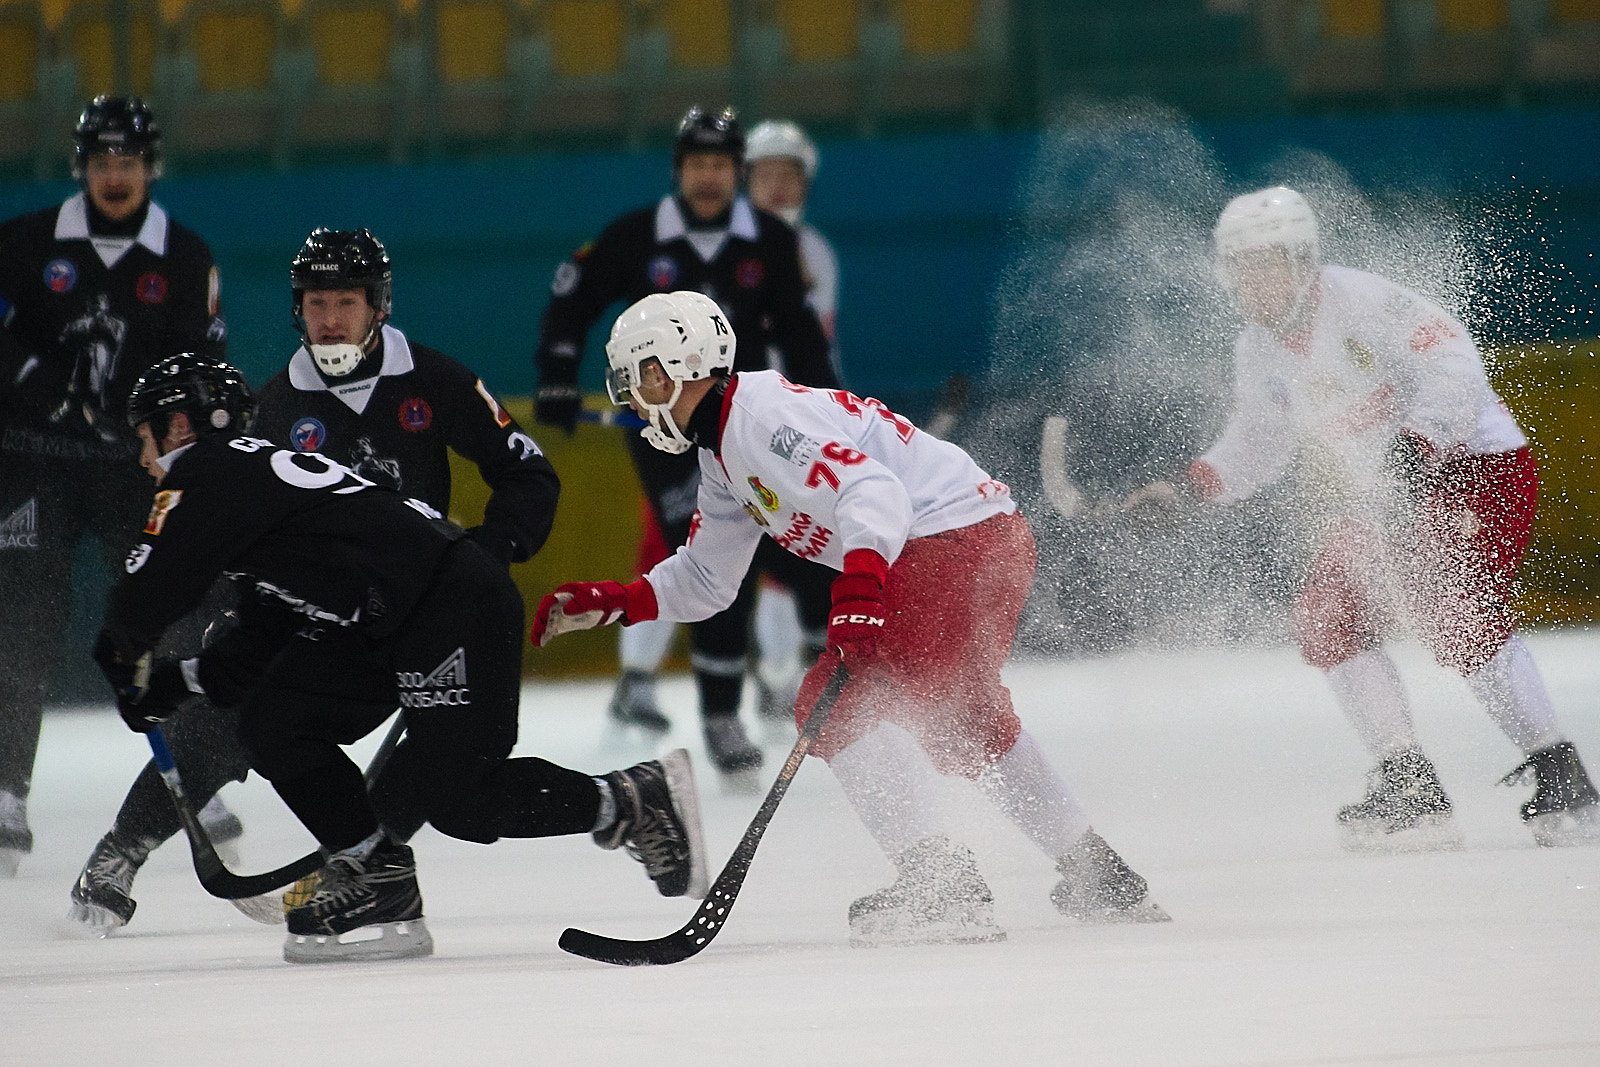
[(658, 822), (223, 827), (633, 703), (1563, 809), (731, 750), (364, 908), (1098, 886), (102, 898), (939, 898), (16, 840), (775, 705), (1405, 809)]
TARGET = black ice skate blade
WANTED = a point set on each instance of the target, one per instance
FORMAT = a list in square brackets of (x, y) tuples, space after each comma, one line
[(1573, 828), (381, 941), (1434, 833)]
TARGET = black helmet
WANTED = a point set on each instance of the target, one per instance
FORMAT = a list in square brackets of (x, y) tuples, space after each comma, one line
[(121, 125), (342, 259), (212, 393), (705, 131)]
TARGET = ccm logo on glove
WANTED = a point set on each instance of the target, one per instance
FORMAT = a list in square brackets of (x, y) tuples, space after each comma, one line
[(858, 613)]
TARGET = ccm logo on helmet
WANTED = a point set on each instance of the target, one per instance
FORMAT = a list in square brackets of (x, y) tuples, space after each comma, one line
[(866, 620)]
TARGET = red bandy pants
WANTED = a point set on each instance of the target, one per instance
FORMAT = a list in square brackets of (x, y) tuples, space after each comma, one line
[(1449, 571), (952, 602)]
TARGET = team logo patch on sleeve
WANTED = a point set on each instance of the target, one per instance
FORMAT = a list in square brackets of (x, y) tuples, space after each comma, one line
[(663, 272), (415, 415), (767, 497), (308, 435), (151, 288), (60, 275), (166, 500), (502, 417)]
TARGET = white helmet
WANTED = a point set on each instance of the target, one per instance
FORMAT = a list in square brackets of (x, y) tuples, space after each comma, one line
[(1275, 217), (782, 140), (687, 333)]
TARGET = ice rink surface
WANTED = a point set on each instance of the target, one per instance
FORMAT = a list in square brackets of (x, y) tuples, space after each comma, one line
[(1216, 774)]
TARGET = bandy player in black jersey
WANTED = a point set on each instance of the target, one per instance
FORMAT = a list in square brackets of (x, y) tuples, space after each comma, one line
[(362, 392), (92, 293), (370, 600), (703, 236)]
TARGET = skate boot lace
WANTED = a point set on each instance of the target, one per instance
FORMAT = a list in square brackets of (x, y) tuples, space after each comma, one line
[(339, 886), (109, 866), (652, 841)]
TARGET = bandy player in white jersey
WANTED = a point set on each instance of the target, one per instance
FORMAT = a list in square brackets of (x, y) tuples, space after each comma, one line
[(1437, 510), (935, 561)]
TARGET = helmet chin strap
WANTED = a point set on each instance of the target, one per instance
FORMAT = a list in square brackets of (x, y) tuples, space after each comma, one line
[(660, 430), (338, 360)]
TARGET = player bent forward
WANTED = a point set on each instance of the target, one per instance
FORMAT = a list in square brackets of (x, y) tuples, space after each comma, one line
[(900, 514), (367, 601)]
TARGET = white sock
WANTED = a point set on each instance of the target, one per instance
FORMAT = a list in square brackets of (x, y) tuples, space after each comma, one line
[(643, 646), (777, 634), (888, 780), (1367, 689), (1024, 786), (1511, 689)]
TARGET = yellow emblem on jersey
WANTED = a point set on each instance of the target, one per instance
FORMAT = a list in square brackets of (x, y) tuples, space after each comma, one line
[(768, 498), (1360, 356), (166, 500)]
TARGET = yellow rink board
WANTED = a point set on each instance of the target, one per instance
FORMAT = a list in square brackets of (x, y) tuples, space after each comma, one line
[(1554, 390)]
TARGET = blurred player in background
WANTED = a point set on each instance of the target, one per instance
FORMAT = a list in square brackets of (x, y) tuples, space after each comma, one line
[(702, 236), (359, 391), (1432, 511), (92, 293), (931, 561)]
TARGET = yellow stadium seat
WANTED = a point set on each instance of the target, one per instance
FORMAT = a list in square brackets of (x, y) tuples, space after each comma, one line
[(1471, 16), (473, 35), (586, 35), (1574, 12), (701, 32), (938, 27), (352, 42), (1352, 19), (233, 49), (821, 31), (89, 38), (19, 53)]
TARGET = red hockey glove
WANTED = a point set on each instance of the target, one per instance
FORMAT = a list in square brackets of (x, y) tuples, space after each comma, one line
[(585, 605), (856, 619)]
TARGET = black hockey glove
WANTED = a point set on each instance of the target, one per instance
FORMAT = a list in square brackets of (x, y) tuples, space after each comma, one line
[(557, 405), (164, 693)]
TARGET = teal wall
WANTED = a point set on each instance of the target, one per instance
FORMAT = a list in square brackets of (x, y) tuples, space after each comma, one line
[(924, 227)]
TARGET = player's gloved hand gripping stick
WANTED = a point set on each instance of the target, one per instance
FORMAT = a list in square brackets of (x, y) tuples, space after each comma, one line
[(712, 914)]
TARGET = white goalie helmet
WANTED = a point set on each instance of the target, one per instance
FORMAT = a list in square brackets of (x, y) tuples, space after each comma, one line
[(687, 333), (782, 140), (1275, 217)]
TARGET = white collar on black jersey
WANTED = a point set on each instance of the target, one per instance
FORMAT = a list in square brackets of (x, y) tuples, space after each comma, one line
[(670, 225), (72, 224), (396, 360), (165, 462)]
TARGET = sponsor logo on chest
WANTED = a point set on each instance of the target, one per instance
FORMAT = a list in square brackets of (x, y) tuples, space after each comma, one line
[(21, 527)]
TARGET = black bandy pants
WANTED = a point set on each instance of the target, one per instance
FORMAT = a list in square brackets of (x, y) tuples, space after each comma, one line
[(455, 668), (720, 645)]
